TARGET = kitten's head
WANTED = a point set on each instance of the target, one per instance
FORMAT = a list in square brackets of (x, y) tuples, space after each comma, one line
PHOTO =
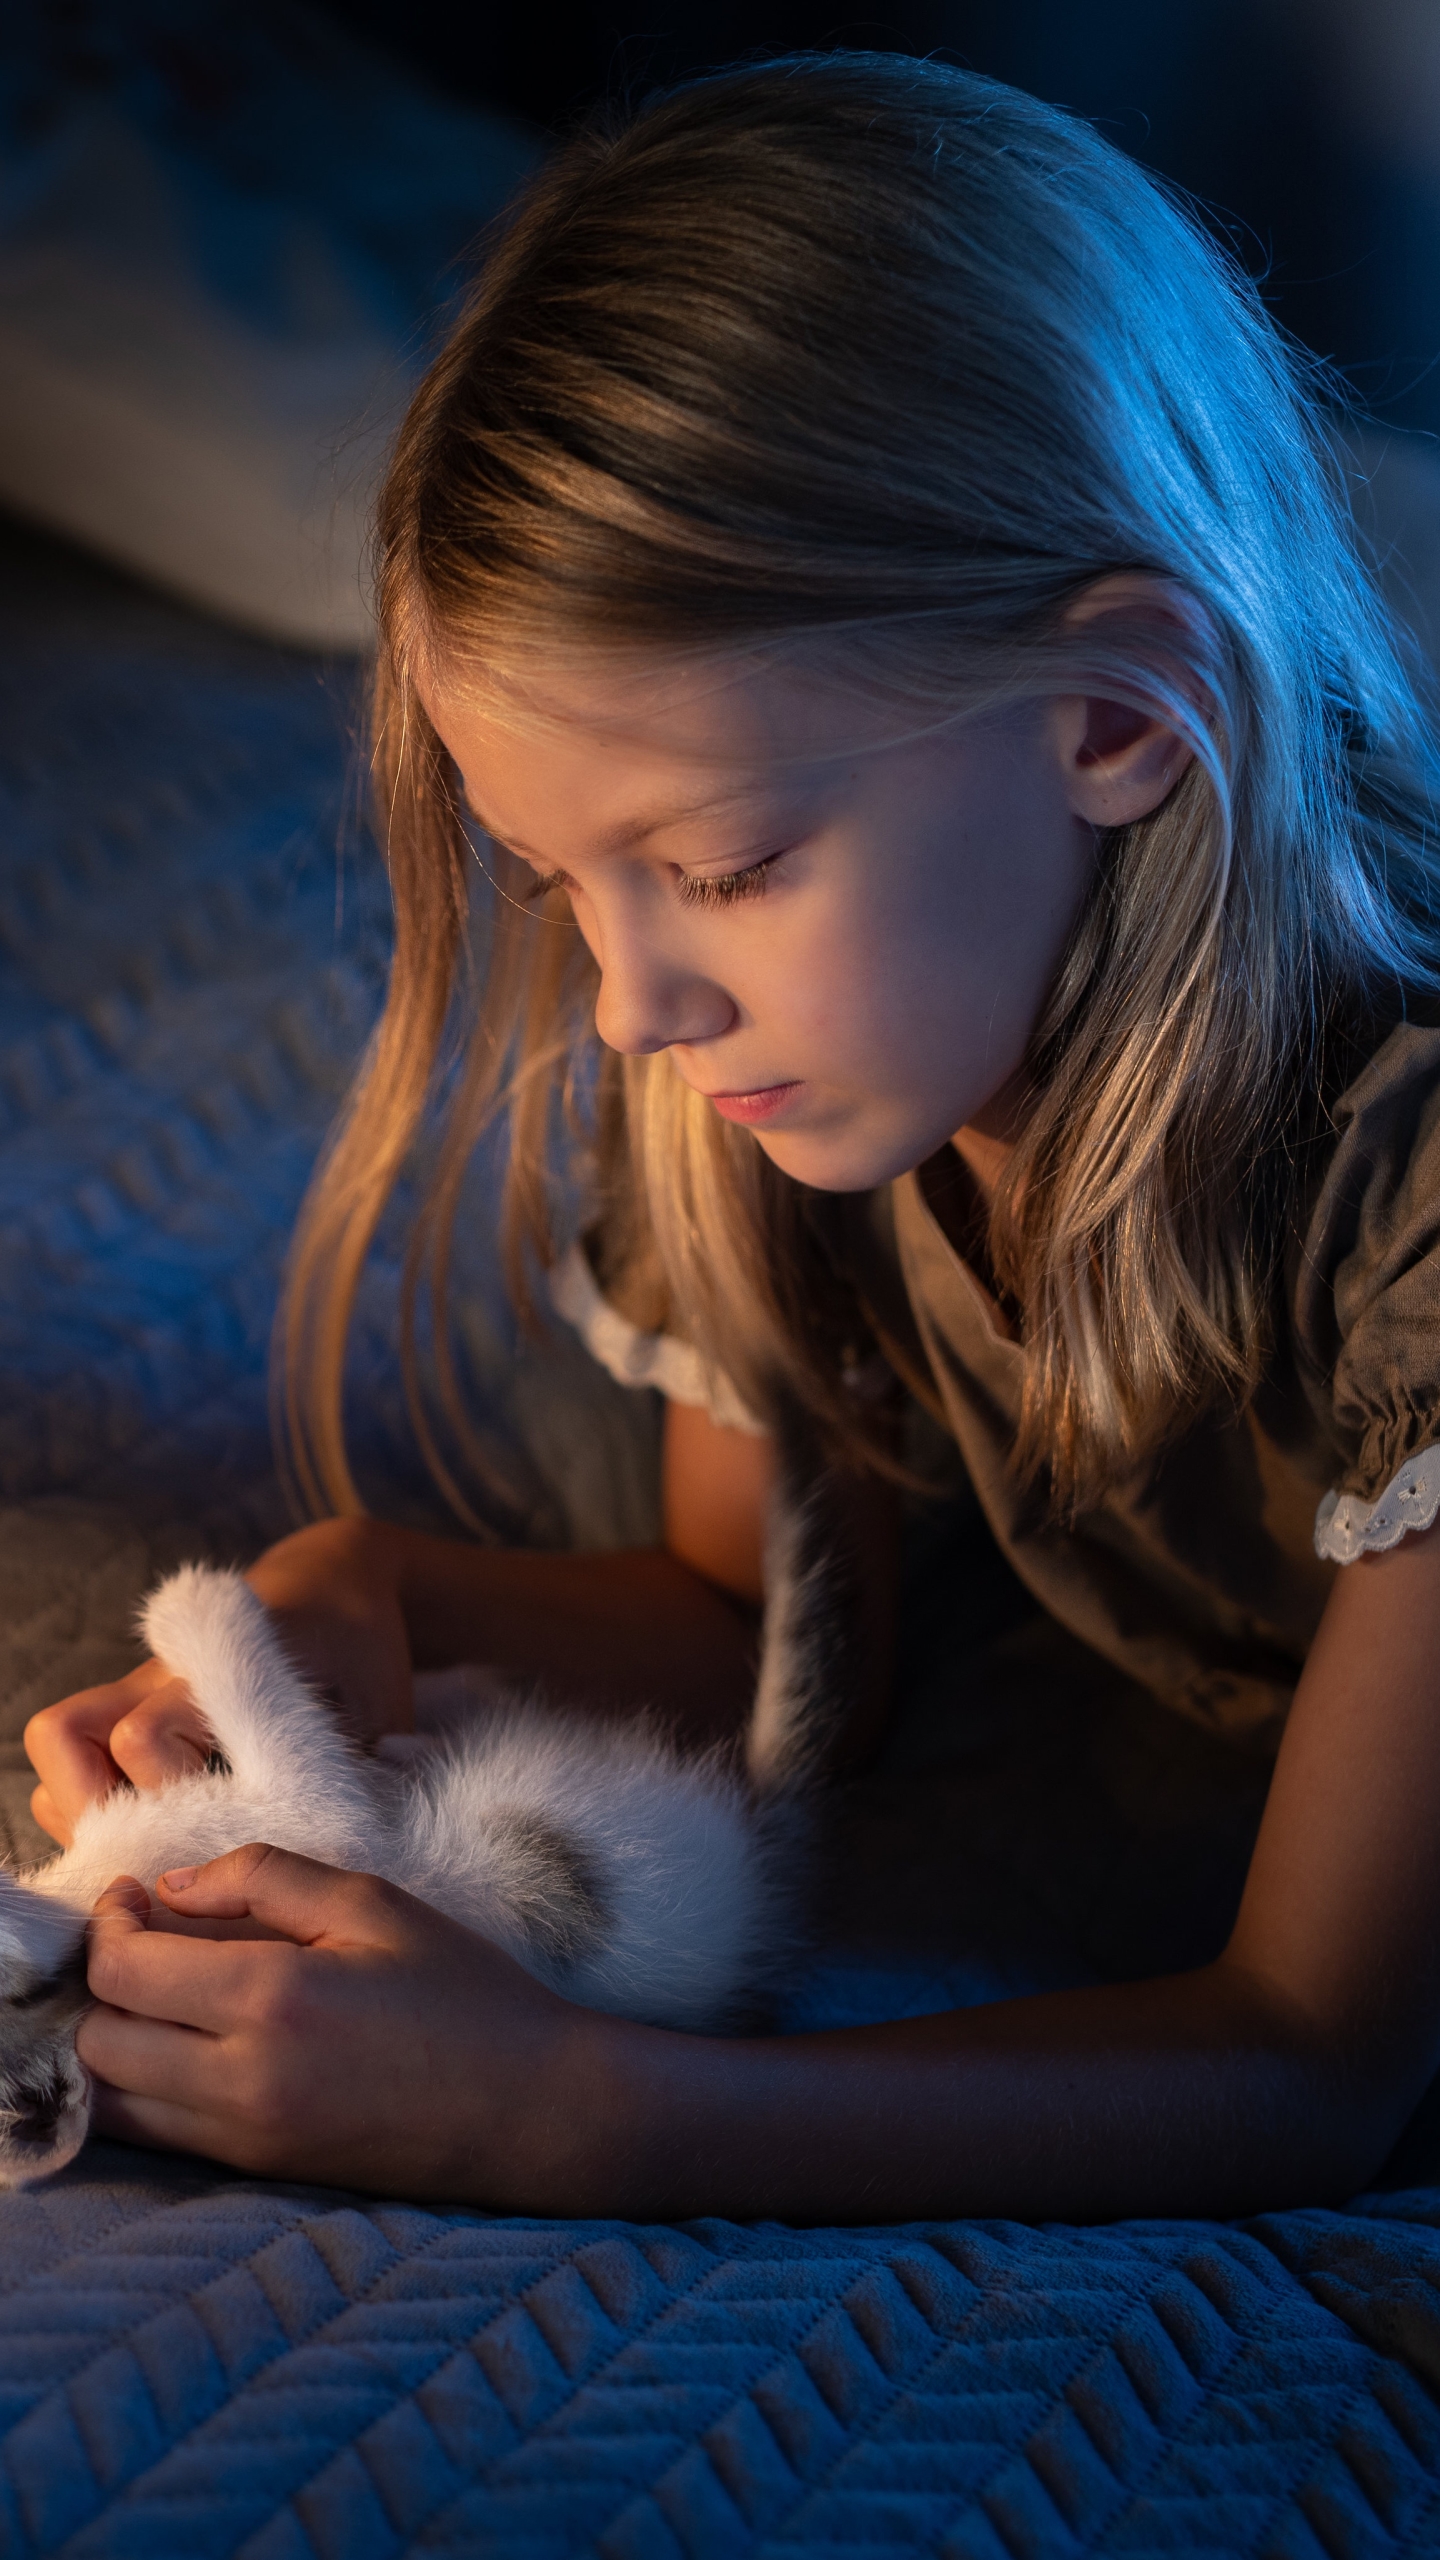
[(44, 2088)]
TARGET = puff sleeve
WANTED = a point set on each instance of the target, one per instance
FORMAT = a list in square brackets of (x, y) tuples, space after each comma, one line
[(1366, 1301), (640, 1359)]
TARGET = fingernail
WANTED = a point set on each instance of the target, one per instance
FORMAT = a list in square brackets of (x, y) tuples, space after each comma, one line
[(179, 1879)]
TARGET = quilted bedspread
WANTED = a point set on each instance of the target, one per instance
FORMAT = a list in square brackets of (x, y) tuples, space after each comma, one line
[(194, 2364)]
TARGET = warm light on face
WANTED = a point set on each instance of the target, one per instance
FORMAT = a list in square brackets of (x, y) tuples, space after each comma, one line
[(844, 941)]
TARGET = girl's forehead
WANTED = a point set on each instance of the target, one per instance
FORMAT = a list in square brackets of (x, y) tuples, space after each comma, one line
[(541, 790), (604, 758), (617, 750), (758, 710)]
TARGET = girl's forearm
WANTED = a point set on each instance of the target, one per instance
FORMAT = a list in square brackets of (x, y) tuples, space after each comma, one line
[(1188, 2095), (634, 1629)]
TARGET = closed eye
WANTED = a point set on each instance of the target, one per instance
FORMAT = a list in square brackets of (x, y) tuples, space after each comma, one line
[(725, 888), (696, 889)]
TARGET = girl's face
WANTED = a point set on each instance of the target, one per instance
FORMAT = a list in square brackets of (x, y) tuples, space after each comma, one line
[(844, 943)]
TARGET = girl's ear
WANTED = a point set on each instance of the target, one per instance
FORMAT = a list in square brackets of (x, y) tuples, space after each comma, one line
[(1120, 762)]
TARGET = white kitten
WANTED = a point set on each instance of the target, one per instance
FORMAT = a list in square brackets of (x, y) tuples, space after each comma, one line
[(627, 1878)]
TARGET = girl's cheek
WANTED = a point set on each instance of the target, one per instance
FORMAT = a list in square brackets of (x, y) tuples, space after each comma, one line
[(853, 980)]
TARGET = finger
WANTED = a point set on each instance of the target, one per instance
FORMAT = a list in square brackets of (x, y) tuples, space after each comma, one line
[(93, 1711), (158, 2124), (118, 1921), (296, 1897), (163, 1974), (163, 1738), (123, 1908), (47, 1813), (189, 1924), (148, 2057), (66, 1746)]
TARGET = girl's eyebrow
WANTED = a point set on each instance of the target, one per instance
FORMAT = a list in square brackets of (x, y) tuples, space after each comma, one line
[(630, 831)]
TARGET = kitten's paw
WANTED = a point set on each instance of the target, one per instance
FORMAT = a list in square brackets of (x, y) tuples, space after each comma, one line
[(45, 2100), (44, 2089)]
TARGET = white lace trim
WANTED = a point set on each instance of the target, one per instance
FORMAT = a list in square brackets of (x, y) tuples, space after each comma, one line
[(1346, 1527), (642, 1359)]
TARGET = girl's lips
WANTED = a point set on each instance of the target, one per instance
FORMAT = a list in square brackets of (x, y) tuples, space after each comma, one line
[(750, 1107)]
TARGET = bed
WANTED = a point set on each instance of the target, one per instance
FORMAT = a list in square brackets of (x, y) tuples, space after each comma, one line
[(191, 950)]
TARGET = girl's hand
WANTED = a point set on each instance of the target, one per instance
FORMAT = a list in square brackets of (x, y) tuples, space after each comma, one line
[(333, 1592), (144, 1728), (366, 2042)]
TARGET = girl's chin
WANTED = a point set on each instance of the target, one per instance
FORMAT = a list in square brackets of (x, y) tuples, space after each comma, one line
[(839, 1158)]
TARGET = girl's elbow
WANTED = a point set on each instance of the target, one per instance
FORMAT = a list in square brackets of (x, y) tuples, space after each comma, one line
[(1367, 2113), (1333, 2097)]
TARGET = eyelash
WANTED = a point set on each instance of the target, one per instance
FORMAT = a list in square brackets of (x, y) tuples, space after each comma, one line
[(726, 888), (722, 889)]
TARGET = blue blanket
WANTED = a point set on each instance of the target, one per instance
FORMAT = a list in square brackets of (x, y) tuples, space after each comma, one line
[(196, 2364), (248, 2369)]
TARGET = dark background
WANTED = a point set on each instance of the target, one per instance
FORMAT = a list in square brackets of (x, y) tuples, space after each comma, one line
[(1309, 128)]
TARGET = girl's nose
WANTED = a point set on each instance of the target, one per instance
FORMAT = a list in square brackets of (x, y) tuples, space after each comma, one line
[(646, 1003)]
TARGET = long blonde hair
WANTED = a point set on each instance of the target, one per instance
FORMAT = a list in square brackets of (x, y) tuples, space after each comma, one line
[(890, 360)]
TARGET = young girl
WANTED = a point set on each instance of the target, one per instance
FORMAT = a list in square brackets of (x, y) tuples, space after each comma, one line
[(866, 582)]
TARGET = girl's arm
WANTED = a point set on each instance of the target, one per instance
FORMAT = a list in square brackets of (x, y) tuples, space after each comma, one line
[(1281, 2073)]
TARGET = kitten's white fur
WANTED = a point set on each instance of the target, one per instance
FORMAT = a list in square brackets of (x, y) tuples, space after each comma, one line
[(627, 1878)]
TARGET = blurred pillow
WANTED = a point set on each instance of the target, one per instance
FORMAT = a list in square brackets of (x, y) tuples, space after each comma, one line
[(224, 239)]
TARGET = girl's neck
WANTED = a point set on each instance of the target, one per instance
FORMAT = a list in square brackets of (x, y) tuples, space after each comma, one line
[(959, 1183), (963, 1205), (984, 1157), (985, 1143)]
